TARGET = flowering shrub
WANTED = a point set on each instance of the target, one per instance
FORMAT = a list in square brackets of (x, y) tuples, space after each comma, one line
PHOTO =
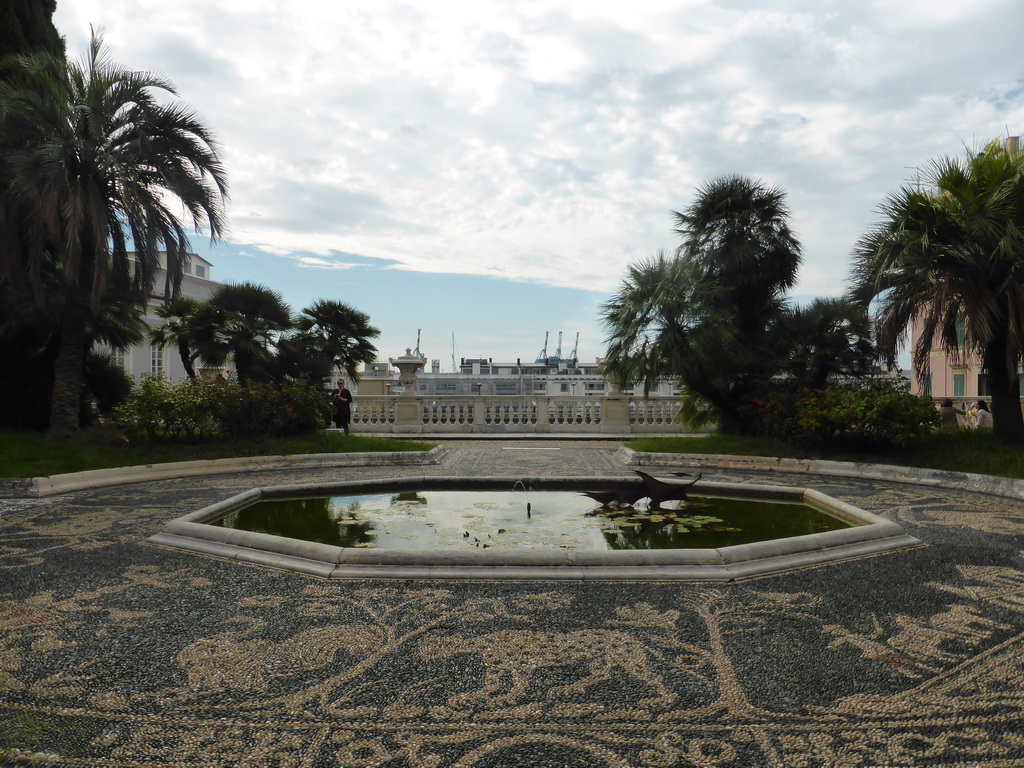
[(253, 410), (164, 410), (777, 413), (873, 415), (225, 407)]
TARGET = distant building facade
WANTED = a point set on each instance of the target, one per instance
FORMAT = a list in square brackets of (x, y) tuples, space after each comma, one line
[(483, 376), (949, 375), (146, 359), (952, 376)]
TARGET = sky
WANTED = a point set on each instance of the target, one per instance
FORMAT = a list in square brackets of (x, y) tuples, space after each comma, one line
[(482, 173)]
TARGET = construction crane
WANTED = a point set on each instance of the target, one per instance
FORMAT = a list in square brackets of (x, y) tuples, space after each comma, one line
[(574, 357), (543, 356)]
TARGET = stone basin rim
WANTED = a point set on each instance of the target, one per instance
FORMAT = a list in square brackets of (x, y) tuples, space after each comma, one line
[(871, 535)]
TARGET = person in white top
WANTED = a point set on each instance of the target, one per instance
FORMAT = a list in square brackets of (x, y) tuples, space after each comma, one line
[(984, 417)]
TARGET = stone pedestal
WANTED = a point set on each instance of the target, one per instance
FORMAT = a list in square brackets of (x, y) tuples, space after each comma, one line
[(614, 411), (408, 417), (615, 414)]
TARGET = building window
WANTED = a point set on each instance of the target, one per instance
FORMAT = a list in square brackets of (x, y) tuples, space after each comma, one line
[(200, 270), (983, 390), (926, 386), (564, 387), (595, 386), (960, 332), (187, 269), (959, 381), (156, 360), (506, 388), (446, 388), (117, 358)]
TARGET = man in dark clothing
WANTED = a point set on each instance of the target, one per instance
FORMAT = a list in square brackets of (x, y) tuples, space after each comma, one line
[(342, 406)]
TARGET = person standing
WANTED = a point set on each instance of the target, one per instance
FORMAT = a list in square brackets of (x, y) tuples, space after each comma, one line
[(342, 406)]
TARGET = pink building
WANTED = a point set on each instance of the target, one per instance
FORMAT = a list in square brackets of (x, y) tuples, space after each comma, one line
[(961, 379)]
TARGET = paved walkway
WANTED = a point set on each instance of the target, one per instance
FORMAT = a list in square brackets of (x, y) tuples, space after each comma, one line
[(115, 653)]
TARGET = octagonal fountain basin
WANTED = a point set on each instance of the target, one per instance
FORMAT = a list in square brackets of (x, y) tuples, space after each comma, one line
[(508, 528)]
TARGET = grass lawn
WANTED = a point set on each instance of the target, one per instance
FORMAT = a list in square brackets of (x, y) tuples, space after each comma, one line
[(28, 454), (965, 450)]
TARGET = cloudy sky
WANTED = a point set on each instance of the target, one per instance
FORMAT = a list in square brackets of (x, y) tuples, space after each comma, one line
[(486, 170)]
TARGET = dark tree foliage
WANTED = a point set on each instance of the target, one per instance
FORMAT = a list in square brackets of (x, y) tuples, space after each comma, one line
[(949, 253), (714, 314), (95, 160), (243, 323), (27, 26), (707, 315)]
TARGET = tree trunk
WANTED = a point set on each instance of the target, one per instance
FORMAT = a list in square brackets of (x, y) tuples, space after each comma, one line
[(65, 403), (185, 353), (1007, 421)]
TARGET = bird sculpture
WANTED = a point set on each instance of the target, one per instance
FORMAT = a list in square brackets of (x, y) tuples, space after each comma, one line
[(624, 495), (659, 491)]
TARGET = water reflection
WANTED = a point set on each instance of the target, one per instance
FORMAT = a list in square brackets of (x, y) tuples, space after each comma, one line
[(498, 519)]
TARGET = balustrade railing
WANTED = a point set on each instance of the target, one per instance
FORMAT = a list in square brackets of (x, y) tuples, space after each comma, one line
[(658, 412), (376, 412), (485, 413)]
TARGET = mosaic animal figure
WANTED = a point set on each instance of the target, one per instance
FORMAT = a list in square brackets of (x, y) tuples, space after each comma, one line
[(511, 657), (237, 661)]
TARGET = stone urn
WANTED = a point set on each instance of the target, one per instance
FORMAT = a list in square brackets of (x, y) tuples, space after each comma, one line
[(407, 366), (408, 416)]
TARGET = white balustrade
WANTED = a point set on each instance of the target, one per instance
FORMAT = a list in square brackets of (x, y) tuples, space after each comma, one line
[(374, 411), (486, 413), (654, 412)]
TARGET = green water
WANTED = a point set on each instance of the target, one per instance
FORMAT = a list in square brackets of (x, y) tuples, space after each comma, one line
[(499, 520)]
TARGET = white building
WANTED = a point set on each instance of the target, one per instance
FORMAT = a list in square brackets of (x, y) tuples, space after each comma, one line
[(482, 376), (197, 283)]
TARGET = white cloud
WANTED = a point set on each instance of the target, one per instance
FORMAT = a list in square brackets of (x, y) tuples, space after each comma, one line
[(548, 141)]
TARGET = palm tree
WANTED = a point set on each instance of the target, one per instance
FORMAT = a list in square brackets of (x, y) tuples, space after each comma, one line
[(177, 330), (241, 321), (340, 332), (827, 338), (706, 314), (737, 235), (950, 253), (93, 162)]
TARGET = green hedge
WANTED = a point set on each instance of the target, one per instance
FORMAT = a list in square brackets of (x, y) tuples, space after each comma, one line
[(867, 416), (197, 409)]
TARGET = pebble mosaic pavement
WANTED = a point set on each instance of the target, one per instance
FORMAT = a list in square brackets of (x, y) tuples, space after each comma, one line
[(116, 653)]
